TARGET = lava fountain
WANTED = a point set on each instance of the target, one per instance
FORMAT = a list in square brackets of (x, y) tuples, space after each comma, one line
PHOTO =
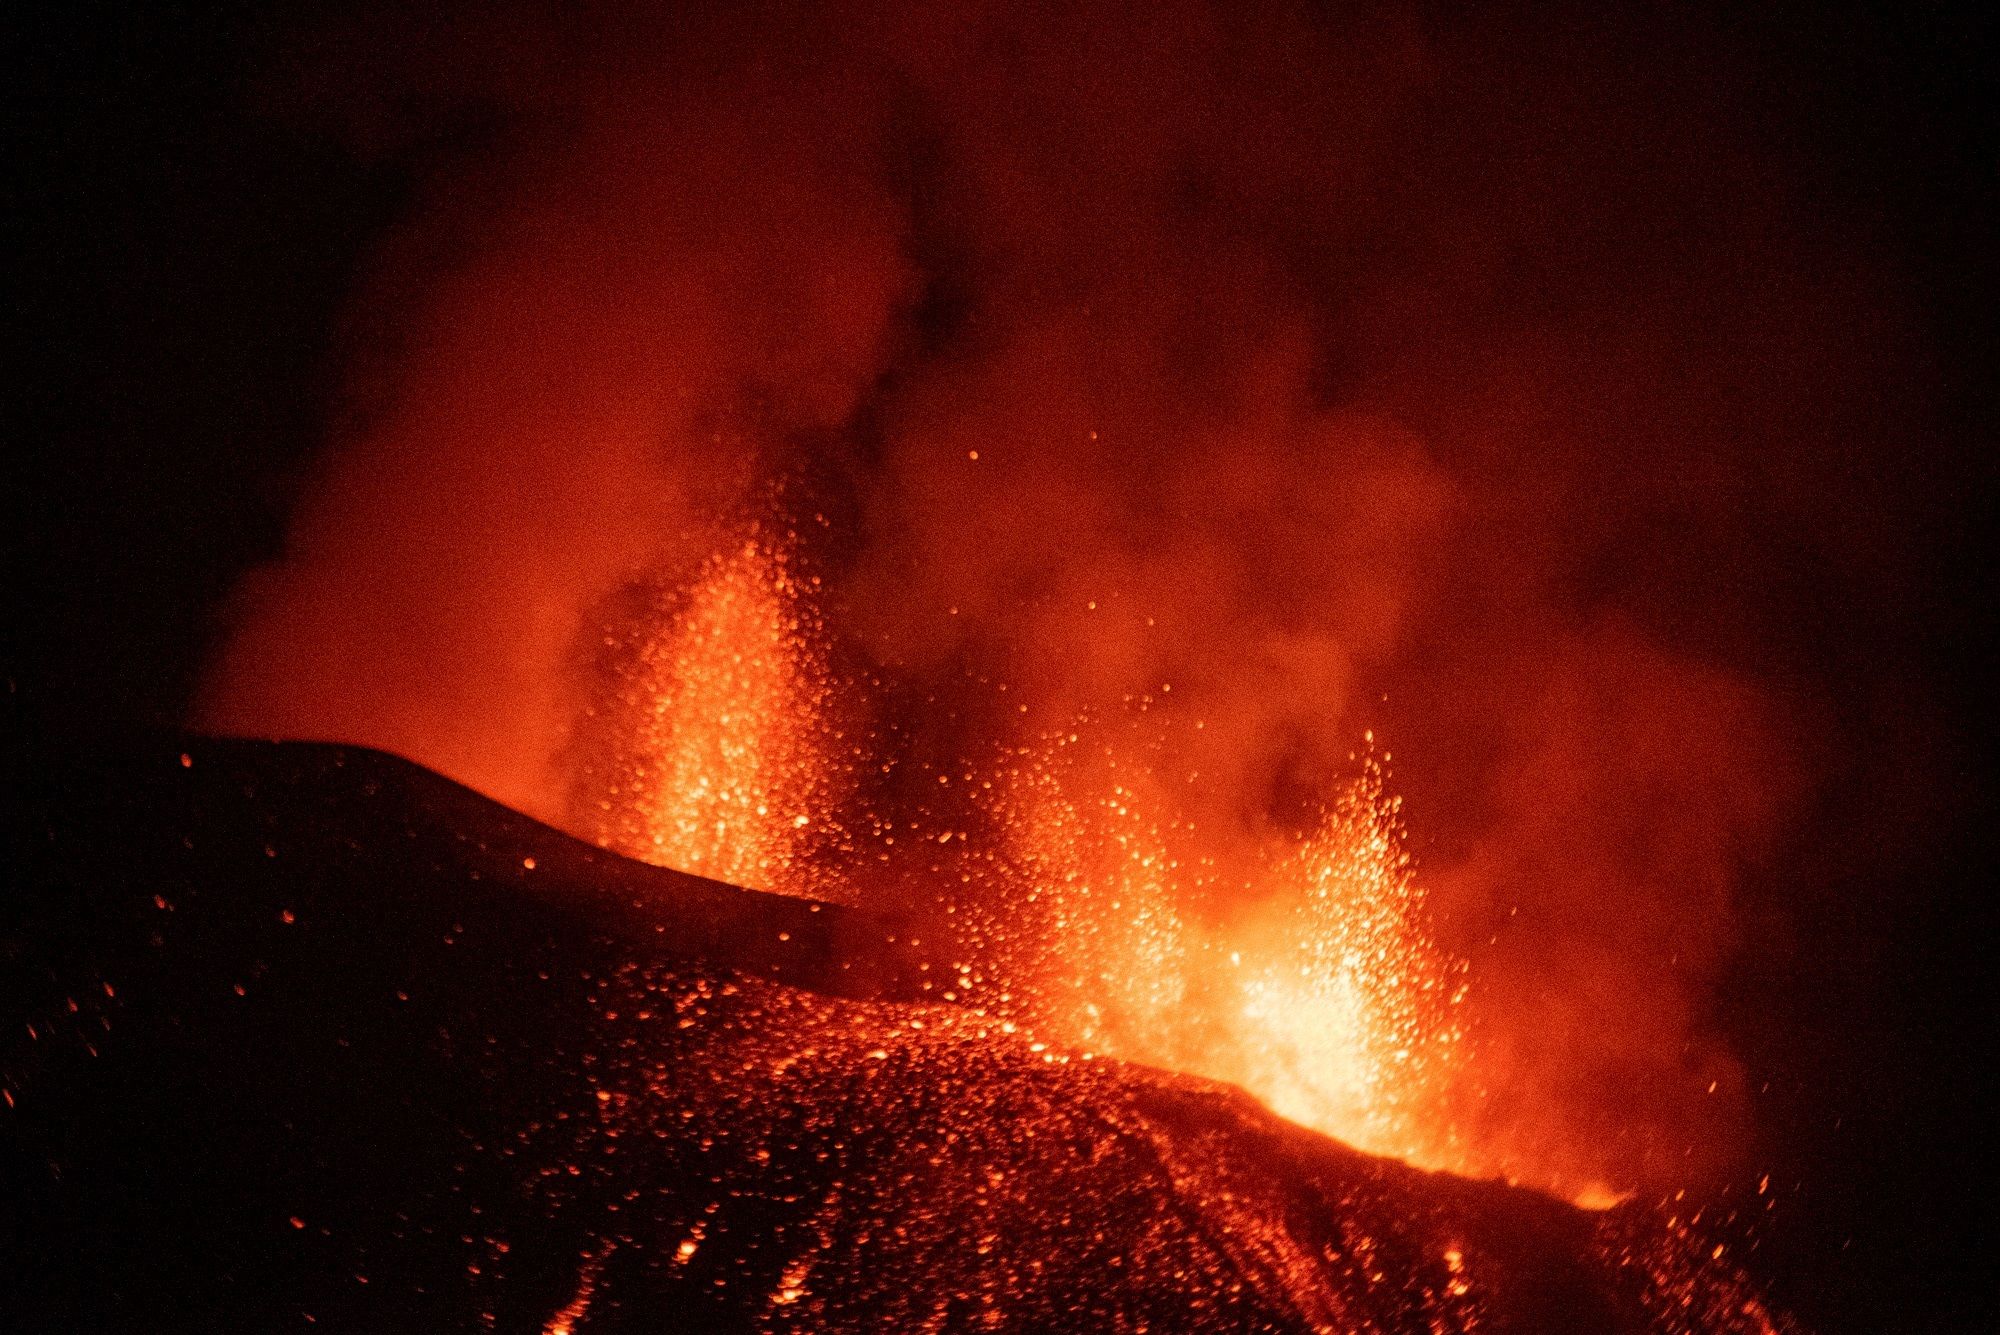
[(1350, 1026), (1315, 987), (715, 752)]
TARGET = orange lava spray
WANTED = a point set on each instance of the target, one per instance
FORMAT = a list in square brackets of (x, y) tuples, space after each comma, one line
[(725, 760)]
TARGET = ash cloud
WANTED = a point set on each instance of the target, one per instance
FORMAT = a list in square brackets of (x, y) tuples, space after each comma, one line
[(1471, 382)]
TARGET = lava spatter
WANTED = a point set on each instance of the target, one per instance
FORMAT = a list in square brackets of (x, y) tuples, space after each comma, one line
[(715, 751), (1325, 998)]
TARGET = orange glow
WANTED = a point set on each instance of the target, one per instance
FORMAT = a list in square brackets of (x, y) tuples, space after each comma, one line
[(1325, 999), (566, 1321), (1094, 914), (1349, 1021), (724, 763), (1293, 355)]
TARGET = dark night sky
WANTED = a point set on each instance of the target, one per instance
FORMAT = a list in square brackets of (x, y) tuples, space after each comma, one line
[(178, 264)]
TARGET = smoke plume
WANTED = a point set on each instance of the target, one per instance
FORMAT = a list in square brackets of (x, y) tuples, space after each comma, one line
[(1298, 374)]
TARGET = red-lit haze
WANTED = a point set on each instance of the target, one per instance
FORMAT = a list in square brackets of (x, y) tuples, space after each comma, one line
[(1211, 386)]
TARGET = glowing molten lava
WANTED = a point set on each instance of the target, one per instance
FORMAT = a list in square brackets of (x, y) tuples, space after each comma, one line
[(1084, 905), (1350, 1027), (1326, 998), (722, 759)]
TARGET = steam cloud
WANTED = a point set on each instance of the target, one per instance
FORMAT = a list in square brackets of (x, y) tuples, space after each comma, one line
[(1337, 373)]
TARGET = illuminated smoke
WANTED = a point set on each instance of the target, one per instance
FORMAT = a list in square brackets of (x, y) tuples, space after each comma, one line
[(1341, 373)]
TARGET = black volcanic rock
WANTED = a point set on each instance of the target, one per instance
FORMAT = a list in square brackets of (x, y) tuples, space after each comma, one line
[(307, 1037)]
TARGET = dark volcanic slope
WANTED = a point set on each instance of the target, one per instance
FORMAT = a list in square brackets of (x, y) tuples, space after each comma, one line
[(293, 1036)]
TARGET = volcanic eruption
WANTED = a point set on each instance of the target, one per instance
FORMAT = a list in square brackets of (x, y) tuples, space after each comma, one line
[(1027, 668), (917, 457)]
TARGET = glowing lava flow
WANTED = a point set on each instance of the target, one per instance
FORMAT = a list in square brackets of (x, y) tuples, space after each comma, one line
[(724, 757)]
